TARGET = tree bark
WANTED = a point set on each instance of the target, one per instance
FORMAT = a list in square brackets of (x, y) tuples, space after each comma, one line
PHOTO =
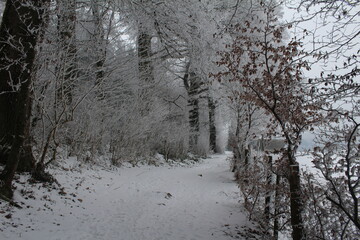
[(193, 89), (194, 123), (212, 126), (146, 70), (268, 194), (8, 94), (296, 203), (100, 43), (7, 127), (236, 145), (66, 70), (19, 31)]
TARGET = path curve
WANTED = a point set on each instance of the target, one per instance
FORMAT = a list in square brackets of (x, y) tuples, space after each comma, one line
[(147, 203)]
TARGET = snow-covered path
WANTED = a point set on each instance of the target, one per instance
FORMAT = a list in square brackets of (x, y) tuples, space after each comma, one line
[(147, 203)]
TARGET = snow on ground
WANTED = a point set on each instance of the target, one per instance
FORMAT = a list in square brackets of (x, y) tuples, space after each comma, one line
[(147, 202)]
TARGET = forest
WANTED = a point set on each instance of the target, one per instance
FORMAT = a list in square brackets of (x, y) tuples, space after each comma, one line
[(274, 84)]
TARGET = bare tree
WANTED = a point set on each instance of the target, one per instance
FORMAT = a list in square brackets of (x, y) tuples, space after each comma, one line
[(272, 74), (331, 38)]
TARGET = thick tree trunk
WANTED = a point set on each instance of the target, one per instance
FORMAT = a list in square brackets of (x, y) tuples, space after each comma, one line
[(7, 128), (194, 123), (99, 46), (8, 98), (21, 130), (66, 70), (193, 85), (212, 126), (144, 55), (18, 35), (27, 160), (296, 200), (194, 114), (296, 203), (146, 70)]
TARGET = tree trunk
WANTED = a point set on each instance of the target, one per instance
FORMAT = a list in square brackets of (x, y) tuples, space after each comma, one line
[(212, 126), (194, 123), (194, 115), (66, 70), (146, 70), (296, 203), (236, 146), (8, 102), (100, 43), (7, 133), (268, 193), (17, 54)]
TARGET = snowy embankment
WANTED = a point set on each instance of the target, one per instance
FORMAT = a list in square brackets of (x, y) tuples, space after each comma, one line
[(148, 203)]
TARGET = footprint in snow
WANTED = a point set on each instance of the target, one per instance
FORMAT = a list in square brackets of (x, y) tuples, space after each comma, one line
[(168, 195)]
